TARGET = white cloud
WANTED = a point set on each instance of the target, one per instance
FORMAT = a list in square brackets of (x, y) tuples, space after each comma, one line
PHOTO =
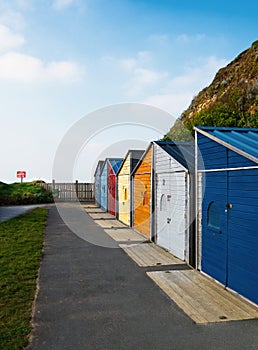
[(12, 19), (140, 76), (174, 104), (180, 90), (143, 79), (8, 39), (23, 4), (196, 78), (62, 4), (129, 64), (19, 67), (159, 39), (186, 38)]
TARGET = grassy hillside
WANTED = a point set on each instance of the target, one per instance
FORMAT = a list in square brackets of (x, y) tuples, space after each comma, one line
[(23, 193)]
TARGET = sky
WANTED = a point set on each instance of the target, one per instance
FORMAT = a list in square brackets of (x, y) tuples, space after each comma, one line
[(63, 60)]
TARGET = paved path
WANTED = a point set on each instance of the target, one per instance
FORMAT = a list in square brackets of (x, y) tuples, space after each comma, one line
[(8, 212), (96, 298)]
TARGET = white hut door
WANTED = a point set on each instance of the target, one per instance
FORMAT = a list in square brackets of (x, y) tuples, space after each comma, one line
[(163, 214), (171, 213)]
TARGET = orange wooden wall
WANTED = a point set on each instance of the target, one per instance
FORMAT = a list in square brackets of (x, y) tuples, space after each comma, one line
[(142, 195)]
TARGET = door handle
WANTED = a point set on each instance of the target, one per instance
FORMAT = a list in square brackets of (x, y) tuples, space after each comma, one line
[(228, 206)]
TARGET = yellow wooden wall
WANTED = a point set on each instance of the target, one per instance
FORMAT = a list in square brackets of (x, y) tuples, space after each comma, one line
[(142, 195), (124, 192)]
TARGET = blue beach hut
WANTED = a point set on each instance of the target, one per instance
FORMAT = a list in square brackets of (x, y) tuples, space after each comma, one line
[(104, 180), (103, 186), (97, 183), (227, 187)]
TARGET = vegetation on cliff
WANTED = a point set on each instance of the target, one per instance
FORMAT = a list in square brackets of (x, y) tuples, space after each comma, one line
[(230, 100)]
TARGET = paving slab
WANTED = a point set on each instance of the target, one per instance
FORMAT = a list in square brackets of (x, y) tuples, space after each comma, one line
[(201, 298), (149, 254), (101, 216), (109, 223), (90, 205), (94, 210), (125, 235)]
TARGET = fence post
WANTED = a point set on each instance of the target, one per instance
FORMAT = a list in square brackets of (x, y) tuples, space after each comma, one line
[(76, 188)]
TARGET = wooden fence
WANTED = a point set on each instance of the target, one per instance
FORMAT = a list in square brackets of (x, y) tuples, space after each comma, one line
[(65, 192)]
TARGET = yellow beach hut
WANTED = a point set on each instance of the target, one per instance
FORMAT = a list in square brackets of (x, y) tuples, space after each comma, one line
[(124, 177)]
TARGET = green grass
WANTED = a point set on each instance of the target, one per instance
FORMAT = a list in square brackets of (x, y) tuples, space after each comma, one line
[(21, 241), (24, 193)]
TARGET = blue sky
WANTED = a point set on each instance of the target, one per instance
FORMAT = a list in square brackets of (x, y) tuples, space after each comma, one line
[(63, 59)]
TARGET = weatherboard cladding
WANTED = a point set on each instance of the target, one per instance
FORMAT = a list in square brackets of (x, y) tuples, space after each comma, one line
[(113, 168), (230, 246), (103, 182), (97, 183), (125, 185), (182, 152), (141, 202), (114, 163), (172, 162)]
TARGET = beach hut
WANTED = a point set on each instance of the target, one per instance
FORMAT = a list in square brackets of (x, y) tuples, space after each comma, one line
[(125, 185), (103, 184), (97, 182), (227, 189), (174, 227), (113, 165), (142, 194)]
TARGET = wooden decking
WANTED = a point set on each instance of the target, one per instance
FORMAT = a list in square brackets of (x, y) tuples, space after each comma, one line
[(101, 216), (125, 235), (149, 254), (112, 223), (201, 298), (94, 210)]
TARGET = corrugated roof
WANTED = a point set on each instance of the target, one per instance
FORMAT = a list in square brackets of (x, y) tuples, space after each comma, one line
[(115, 163), (182, 152), (242, 139)]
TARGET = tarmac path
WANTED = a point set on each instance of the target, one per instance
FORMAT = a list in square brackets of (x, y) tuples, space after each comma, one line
[(8, 212), (97, 298)]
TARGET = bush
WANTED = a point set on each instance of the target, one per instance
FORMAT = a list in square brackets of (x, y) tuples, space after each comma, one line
[(24, 193)]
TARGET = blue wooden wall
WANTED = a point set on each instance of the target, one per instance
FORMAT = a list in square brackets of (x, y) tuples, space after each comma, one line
[(230, 252), (103, 180), (98, 185)]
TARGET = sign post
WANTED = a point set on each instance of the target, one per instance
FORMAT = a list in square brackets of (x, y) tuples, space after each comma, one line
[(21, 174)]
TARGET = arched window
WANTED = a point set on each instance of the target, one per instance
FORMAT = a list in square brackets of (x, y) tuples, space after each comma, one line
[(213, 216), (163, 203)]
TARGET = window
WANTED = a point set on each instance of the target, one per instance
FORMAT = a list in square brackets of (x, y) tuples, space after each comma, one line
[(125, 194), (146, 199), (213, 216), (163, 204)]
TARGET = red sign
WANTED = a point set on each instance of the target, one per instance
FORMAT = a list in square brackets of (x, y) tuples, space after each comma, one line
[(21, 174)]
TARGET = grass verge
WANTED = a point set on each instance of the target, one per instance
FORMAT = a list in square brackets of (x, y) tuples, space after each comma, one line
[(21, 241)]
